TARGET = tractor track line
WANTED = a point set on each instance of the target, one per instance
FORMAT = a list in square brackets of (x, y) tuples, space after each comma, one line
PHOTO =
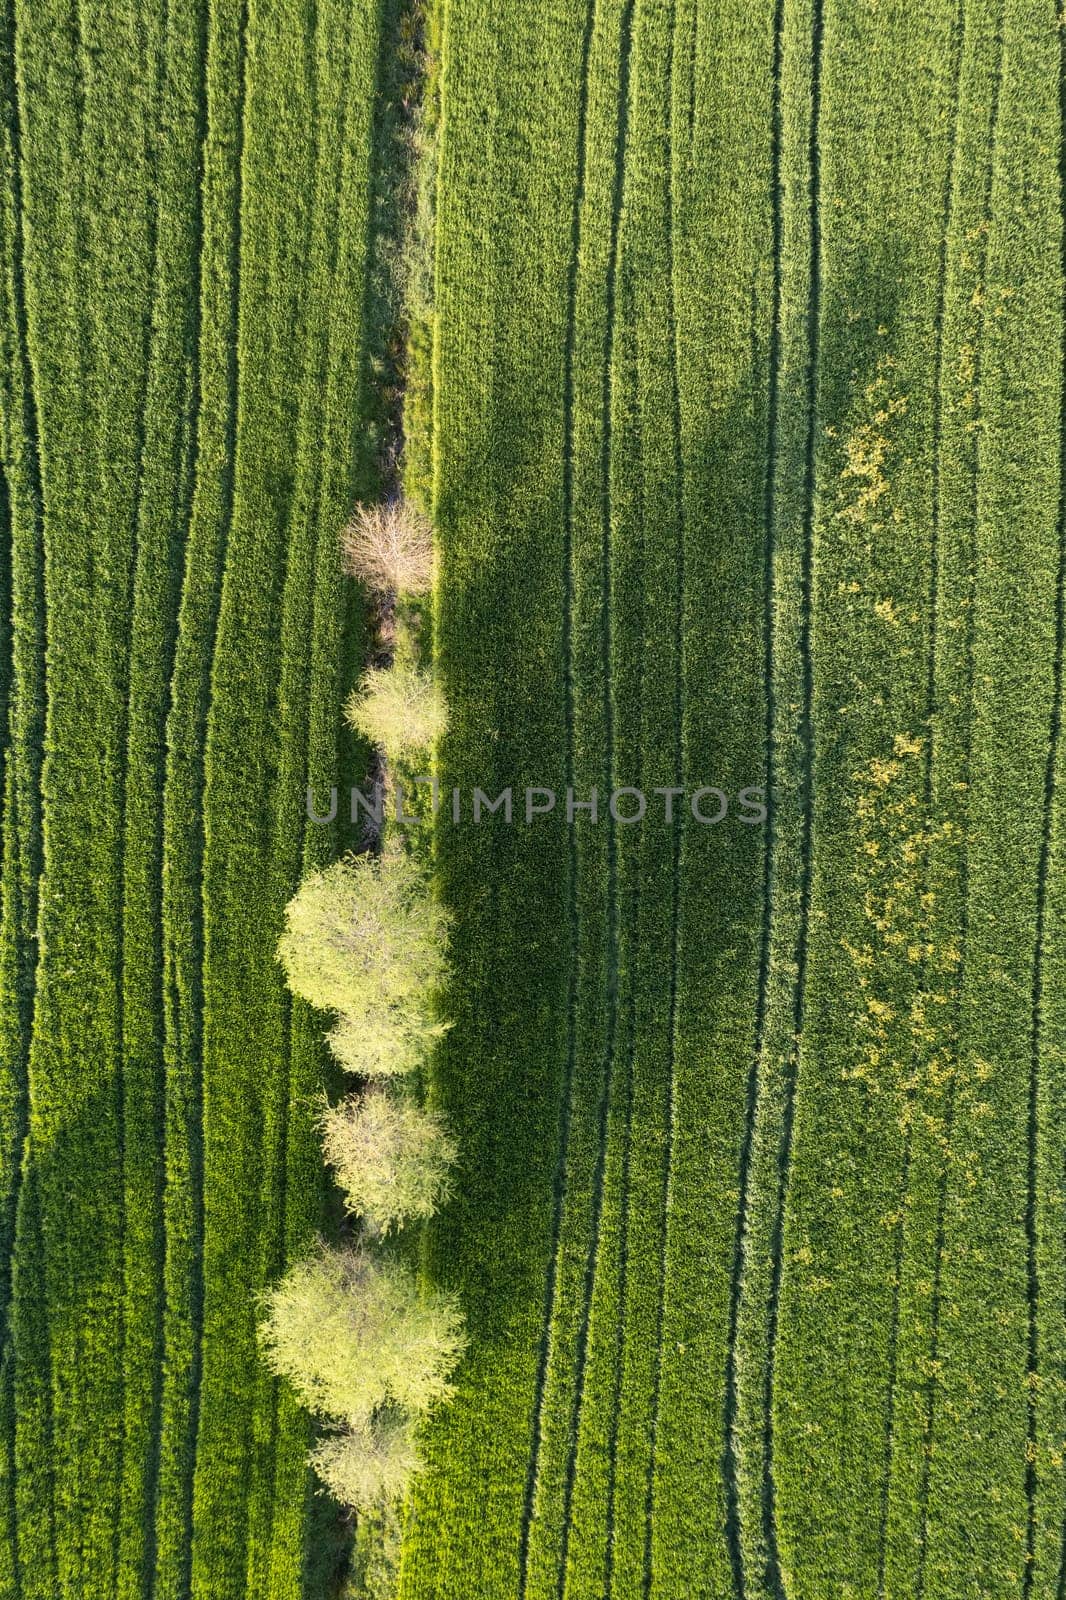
[(731, 1473), (24, 867), (126, 742), (1043, 880), (675, 866), (606, 641), (625, 1179), (1061, 594), (623, 1273), (187, 474), (184, 437), (232, 445), (930, 1412), (931, 699), (194, 867), (567, 1099), (775, 1578)]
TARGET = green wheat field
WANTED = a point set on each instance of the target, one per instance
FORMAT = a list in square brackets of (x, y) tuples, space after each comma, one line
[(735, 389)]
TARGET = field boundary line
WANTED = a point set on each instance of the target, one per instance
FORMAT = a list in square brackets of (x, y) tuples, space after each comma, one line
[(679, 759), (567, 1099), (930, 1419), (731, 1470)]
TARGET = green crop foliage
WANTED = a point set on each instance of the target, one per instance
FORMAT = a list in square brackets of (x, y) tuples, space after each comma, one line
[(376, 1557), (734, 366)]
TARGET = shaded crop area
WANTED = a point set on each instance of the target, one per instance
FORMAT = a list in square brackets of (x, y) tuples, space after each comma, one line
[(185, 228), (747, 449)]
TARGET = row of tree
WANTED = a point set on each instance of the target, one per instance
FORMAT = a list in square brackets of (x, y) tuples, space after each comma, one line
[(368, 1346)]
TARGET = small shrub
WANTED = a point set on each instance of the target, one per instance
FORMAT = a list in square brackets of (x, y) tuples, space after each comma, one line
[(353, 1332), (370, 1463), (391, 1158), (390, 548), (400, 708), (366, 938), (385, 1042)]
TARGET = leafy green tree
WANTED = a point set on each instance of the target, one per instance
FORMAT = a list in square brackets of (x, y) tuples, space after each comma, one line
[(392, 1158), (369, 1463), (400, 708), (353, 1332), (366, 938), (385, 1041)]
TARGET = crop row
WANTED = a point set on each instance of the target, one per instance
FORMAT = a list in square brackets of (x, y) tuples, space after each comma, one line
[(87, 239)]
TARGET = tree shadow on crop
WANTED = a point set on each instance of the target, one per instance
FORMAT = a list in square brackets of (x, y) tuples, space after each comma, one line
[(500, 657), (502, 1077)]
